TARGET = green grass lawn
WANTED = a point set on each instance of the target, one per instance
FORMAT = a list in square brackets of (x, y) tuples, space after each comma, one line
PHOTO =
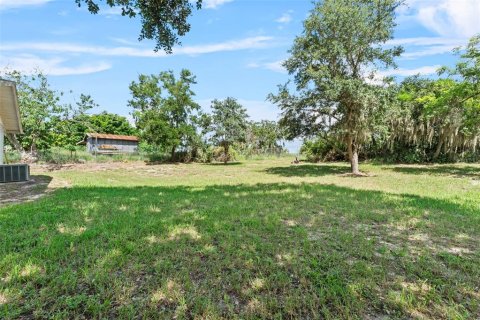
[(258, 239)]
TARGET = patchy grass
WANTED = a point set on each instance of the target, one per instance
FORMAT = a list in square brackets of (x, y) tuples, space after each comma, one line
[(259, 239)]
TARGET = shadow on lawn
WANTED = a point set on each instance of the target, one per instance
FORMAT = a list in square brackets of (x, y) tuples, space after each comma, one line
[(444, 170), (247, 251), (16, 192), (308, 170), (234, 163)]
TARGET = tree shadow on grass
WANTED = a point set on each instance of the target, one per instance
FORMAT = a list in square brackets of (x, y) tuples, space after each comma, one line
[(233, 163), (17, 192), (308, 170), (245, 251), (441, 170)]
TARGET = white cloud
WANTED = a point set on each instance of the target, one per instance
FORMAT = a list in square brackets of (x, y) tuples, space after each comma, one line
[(125, 41), (427, 46), (52, 66), (285, 18), (213, 4), (110, 11), (448, 18), (60, 47), (452, 17), (429, 51), (377, 76), (232, 45), (425, 70), (8, 4), (425, 41), (275, 66), (117, 10)]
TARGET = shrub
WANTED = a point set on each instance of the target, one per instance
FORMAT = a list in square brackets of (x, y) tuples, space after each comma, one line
[(321, 149), (57, 156), (220, 155), (157, 157)]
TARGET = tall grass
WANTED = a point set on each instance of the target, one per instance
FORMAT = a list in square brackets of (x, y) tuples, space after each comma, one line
[(58, 155)]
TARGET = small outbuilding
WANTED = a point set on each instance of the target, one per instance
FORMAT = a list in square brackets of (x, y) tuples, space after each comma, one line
[(100, 143)]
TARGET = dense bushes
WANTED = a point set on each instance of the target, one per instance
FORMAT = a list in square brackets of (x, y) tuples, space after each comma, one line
[(424, 120), (321, 150)]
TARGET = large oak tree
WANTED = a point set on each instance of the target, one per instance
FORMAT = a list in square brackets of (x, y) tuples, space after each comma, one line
[(341, 47)]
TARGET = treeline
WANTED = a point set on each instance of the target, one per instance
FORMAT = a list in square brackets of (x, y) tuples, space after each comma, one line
[(170, 124), (336, 102), (424, 120), (169, 120), (48, 122)]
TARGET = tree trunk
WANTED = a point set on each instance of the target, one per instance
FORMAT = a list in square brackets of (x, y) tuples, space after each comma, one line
[(353, 155), (14, 141), (172, 153), (439, 148), (33, 149), (225, 149)]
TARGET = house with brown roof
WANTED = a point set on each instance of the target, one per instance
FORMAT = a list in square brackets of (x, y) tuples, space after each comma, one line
[(99, 143)]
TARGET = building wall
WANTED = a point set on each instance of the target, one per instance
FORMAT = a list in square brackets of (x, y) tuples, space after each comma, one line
[(120, 146)]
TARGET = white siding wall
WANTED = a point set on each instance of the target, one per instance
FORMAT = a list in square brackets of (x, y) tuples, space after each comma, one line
[(2, 136)]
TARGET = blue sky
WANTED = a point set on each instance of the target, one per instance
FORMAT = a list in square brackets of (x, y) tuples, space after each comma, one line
[(235, 47)]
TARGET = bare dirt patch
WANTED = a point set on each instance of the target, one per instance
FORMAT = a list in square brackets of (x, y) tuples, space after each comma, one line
[(91, 166), (41, 183), (17, 192), (357, 175), (38, 186), (137, 167)]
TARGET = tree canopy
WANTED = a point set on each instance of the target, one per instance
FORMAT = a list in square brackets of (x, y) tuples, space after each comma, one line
[(340, 49), (162, 20), (228, 123), (442, 116), (112, 123), (164, 107), (264, 137), (46, 120), (434, 119)]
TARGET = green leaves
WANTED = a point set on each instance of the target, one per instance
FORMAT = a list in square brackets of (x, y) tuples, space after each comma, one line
[(264, 137), (163, 21), (341, 46), (164, 109), (333, 64), (45, 119), (442, 116), (112, 123), (229, 121)]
